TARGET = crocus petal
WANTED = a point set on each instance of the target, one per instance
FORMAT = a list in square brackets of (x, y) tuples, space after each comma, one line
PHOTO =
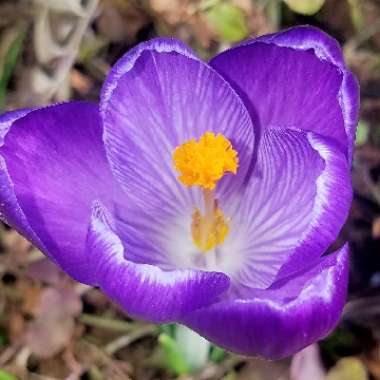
[(55, 167), (330, 208), (10, 210), (306, 38), (146, 291), (158, 96), (7, 119), (291, 210), (295, 79), (283, 319)]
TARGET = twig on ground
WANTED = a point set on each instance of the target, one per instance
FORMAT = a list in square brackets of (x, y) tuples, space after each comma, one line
[(125, 340), (106, 323)]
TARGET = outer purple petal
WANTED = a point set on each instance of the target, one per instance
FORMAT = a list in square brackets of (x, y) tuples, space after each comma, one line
[(306, 38), (158, 96), (328, 49), (295, 79), (282, 320), (292, 209), (55, 167), (10, 210), (146, 291), (7, 119)]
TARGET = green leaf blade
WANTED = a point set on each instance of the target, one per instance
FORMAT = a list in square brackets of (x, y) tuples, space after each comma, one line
[(229, 21), (9, 63)]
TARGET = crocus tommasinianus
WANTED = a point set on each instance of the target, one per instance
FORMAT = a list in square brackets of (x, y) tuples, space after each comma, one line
[(204, 194)]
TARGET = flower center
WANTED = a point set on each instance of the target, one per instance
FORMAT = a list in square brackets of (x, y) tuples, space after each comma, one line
[(203, 163)]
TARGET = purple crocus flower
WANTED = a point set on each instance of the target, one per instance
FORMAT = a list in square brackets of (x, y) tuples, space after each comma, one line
[(204, 194)]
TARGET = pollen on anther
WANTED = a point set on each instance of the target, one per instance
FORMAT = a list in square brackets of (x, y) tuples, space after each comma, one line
[(204, 162)]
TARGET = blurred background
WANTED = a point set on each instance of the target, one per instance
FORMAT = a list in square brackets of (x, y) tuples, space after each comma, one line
[(55, 50)]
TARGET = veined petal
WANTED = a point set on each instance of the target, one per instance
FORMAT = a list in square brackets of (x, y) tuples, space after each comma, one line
[(158, 96), (7, 119), (306, 38), (53, 167), (10, 210), (283, 319), (330, 208), (145, 291), (295, 79), (291, 210)]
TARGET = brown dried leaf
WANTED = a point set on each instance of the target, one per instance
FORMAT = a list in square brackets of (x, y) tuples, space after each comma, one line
[(202, 30), (45, 270), (54, 326), (31, 299), (15, 243), (373, 362), (120, 21), (60, 301), (258, 369), (245, 5), (16, 326), (173, 11), (80, 82), (376, 228)]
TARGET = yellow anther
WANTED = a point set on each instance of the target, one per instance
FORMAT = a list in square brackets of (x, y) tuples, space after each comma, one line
[(206, 233), (205, 162)]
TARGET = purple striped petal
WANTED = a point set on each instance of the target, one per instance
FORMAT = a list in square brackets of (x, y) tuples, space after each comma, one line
[(7, 119), (146, 291), (291, 210), (10, 210), (158, 96), (283, 319), (307, 38), (295, 79), (330, 208), (55, 167)]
